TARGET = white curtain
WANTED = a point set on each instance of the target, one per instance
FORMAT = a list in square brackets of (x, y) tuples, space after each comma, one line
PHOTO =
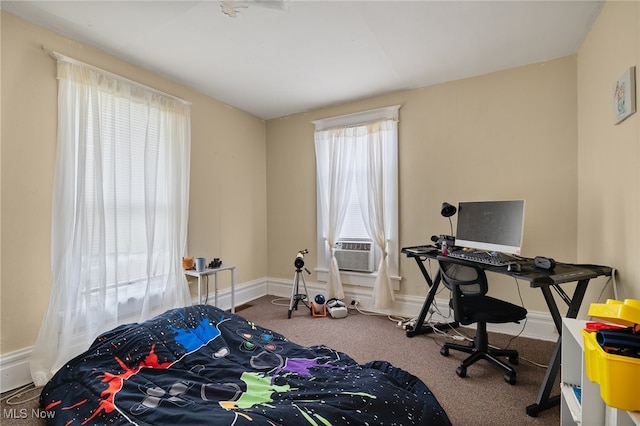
[(334, 159), (377, 157), (120, 208), (368, 154)]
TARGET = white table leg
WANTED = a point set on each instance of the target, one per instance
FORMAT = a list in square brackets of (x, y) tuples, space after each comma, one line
[(215, 275), (233, 292)]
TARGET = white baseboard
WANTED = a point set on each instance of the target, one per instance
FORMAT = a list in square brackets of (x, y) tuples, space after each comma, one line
[(244, 293), (14, 366), (538, 325), (14, 369)]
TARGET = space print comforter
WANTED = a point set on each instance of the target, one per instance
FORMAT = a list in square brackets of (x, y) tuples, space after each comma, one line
[(203, 366)]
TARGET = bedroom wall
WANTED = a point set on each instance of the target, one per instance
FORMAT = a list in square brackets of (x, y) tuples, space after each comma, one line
[(506, 135), (577, 170), (227, 217), (609, 154), (542, 132)]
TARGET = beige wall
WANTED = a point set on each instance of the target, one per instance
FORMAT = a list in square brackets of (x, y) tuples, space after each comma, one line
[(227, 216), (609, 154), (505, 135), (542, 132)]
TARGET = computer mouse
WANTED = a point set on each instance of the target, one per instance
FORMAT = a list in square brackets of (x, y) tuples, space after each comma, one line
[(514, 267)]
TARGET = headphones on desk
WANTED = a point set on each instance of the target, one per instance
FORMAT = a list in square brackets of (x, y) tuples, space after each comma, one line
[(544, 263)]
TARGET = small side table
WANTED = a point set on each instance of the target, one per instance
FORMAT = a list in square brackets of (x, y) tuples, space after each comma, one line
[(214, 272)]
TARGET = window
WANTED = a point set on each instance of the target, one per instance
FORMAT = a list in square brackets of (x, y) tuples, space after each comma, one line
[(120, 208), (357, 192)]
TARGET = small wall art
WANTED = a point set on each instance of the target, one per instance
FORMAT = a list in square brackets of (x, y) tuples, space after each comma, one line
[(624, 95)]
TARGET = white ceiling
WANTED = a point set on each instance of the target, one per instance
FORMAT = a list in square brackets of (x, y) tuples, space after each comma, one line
[(275, 59)]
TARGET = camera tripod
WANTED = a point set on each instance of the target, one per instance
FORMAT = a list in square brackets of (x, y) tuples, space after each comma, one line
[(296, 296)]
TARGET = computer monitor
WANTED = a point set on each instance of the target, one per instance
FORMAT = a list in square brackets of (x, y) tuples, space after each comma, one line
[(491, 225)]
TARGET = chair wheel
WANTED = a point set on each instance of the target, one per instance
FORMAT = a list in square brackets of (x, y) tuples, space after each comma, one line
[(461, 371), (444, 351), (514, 359), (510, 378)]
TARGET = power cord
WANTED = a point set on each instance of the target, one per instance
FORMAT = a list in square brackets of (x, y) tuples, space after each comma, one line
[(10, 398), (281, 301), (611, 279), (355, 305), (524, 324)]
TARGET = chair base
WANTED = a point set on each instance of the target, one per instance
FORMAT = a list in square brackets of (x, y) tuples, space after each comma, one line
[(483, 351)]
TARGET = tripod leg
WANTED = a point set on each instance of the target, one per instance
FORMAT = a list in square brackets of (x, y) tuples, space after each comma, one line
[(304, 284), (294, 291)]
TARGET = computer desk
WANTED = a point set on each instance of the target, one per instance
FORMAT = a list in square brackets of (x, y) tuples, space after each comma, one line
[(545, 280)]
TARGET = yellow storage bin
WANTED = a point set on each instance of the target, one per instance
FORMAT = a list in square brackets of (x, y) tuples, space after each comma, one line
[(625, 313), (617, 375)]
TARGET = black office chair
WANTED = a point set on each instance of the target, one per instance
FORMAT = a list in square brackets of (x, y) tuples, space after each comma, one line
[(470, 304)]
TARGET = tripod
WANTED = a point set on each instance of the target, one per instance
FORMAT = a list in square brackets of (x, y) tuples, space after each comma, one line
[(296, 297)]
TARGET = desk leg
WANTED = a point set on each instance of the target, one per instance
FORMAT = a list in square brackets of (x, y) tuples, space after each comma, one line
[(419, 327), (425, 273), (576, 302), (544, 401), (200, 289)]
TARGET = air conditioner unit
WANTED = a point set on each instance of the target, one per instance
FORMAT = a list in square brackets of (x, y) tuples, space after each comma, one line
[(355, 255)]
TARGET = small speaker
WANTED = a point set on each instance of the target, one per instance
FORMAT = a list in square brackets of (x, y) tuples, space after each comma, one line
[(544, 262)]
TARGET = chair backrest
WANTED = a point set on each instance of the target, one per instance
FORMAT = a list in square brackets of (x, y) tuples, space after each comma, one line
[(464, 281)]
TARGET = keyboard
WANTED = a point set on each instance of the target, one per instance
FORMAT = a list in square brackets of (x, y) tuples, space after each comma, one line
[(487, 258)]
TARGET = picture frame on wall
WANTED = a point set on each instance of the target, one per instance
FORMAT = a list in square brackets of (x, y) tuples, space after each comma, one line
[(624, 96)]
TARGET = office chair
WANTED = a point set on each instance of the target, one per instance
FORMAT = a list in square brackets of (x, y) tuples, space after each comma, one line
[(470, 304)]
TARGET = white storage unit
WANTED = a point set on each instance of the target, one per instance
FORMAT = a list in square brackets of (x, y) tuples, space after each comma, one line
[(581, 403)]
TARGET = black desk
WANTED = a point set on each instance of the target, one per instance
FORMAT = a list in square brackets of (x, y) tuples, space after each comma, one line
[(539, 278)]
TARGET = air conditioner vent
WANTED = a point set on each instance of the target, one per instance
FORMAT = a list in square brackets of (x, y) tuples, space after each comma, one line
[(355, 255)]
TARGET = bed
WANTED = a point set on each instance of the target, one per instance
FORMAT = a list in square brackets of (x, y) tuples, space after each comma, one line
[(201, 365)]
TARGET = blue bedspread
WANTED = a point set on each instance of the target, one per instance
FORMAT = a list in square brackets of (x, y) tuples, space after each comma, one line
[(202, 366)]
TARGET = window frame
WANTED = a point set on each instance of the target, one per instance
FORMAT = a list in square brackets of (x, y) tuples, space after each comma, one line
[(363, 279)]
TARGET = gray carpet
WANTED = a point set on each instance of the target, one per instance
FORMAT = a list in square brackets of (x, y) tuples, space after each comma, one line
[(482, 398)]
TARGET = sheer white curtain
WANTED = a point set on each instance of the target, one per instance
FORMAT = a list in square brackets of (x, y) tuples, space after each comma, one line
[(377, 192), (334, 159), (365, 156), (120, 208)]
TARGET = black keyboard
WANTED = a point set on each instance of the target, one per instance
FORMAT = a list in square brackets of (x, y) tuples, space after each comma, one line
[(487, 258)]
